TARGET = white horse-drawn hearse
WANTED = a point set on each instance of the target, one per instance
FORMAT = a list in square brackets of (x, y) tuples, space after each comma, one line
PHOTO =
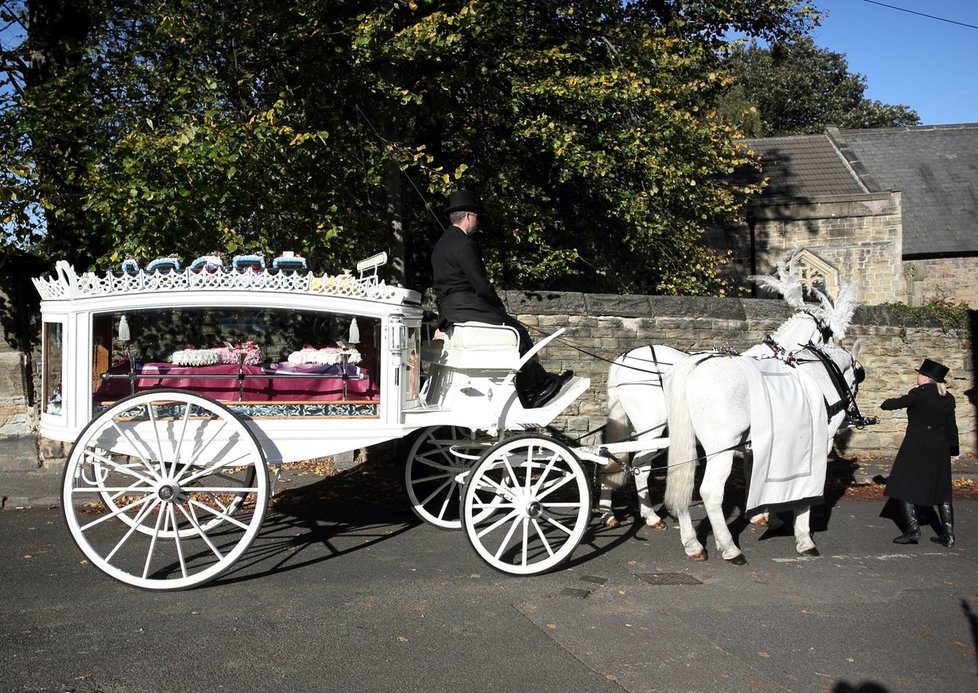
[(184, 391)]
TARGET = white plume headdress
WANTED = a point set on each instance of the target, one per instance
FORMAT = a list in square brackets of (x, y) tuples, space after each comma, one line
[(787, 283), (838, 316), (835, 316)]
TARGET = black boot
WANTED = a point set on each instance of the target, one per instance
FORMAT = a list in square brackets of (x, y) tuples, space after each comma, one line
[(946, 537), (908, 513)]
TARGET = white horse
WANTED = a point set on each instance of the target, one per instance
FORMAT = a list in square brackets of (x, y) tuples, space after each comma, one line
[(636, 402), (637, 406), (710, 402)]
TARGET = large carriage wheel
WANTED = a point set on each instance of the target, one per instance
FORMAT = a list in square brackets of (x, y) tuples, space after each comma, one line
[(436, 457), (526, 505), (165, 490)]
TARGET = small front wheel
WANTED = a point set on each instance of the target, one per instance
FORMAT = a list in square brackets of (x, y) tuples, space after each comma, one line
[(526, 505), (165, 490), (436, 459)]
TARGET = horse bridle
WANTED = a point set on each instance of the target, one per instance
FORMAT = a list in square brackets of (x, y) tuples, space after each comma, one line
[(847, 394)]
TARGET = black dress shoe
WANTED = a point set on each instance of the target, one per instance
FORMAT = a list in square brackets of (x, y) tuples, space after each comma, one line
[(549, 389)]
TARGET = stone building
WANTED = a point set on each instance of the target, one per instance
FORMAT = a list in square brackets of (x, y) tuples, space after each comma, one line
[(893, 210)]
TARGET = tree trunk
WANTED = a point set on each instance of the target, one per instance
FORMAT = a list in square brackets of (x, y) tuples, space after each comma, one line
[(395, 211), (57, 35)]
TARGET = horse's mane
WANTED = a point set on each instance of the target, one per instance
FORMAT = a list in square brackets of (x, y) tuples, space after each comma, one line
[(836, 316)]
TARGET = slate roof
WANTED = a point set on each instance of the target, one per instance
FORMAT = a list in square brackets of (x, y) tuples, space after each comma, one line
[(804, 166), (934, 167)]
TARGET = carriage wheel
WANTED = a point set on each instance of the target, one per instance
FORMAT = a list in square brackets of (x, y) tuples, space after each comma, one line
[(165, 490), (526, 505), (431, 468)]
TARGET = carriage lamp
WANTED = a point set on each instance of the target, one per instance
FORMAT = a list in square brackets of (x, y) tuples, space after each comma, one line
[(354, 332)]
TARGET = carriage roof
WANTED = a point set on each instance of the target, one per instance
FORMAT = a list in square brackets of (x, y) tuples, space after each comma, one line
[(364, 293)]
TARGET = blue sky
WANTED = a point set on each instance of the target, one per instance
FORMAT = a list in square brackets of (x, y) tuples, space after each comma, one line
[(926, 64)]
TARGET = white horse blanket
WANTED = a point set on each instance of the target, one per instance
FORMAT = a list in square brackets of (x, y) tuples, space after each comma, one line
[(789, 434)]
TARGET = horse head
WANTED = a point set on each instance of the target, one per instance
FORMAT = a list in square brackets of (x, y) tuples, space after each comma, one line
[(843, 375)]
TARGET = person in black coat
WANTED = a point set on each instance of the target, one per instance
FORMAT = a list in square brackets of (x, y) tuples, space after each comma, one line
[(921, 473), (464, 293)]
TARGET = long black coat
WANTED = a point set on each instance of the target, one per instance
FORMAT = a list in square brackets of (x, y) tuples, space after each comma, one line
[(921, 472)]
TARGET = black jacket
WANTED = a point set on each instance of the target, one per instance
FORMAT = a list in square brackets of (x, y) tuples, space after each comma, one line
[(461, 284), (921, 472)]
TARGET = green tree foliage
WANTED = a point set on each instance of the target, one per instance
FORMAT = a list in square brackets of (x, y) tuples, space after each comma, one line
[(335, 128), (796, 87)]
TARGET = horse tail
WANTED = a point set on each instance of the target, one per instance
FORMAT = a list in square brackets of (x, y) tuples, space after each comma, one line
[(616, 428), (681, 471)]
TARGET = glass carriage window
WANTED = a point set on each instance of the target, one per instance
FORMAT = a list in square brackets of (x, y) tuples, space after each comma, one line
[(238, 355), (51, 373), (412, 363)]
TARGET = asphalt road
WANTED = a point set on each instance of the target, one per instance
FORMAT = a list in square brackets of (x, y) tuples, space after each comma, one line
[(349, 597)]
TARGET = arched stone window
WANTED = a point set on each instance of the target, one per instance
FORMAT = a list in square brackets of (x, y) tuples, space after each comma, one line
[(816, 273)]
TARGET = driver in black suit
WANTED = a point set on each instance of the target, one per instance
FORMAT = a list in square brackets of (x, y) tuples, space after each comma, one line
[(464, 294)]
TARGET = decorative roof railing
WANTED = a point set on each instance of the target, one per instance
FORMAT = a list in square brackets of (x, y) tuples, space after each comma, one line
[(69, 285)]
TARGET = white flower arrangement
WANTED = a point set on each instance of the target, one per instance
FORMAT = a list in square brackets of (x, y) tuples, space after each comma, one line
[(327, 356), (195, 357)]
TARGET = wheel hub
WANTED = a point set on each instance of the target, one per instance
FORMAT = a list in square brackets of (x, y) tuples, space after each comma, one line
[(534, 509), (168, 492)]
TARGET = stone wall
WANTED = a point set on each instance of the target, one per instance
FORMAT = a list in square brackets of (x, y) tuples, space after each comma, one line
[(949, 279), (860, 237), (16, 415), (18, 303), (600, 327)]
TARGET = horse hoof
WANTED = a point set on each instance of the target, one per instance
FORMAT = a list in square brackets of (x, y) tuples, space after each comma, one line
[(737, 560), (701, 556), (810, 552), (609, 520), (659, 525)]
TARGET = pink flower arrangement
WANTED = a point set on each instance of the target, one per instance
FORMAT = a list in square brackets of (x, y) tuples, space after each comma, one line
[(231, 352)]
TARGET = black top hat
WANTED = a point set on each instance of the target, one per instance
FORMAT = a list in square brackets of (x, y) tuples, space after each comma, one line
[(463, 201), (933, 370)]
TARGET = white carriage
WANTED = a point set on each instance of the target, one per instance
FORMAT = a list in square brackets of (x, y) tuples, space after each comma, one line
[(185, 390)]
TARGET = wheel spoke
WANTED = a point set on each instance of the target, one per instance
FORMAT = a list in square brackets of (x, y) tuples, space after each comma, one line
[(543, 538), (550, 489), (222, 515), (152, 544), (125, 435), (136, 523), (509, 535), (127, 469), (116, 511), (177, 541), (498, 523), (201, 533)]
